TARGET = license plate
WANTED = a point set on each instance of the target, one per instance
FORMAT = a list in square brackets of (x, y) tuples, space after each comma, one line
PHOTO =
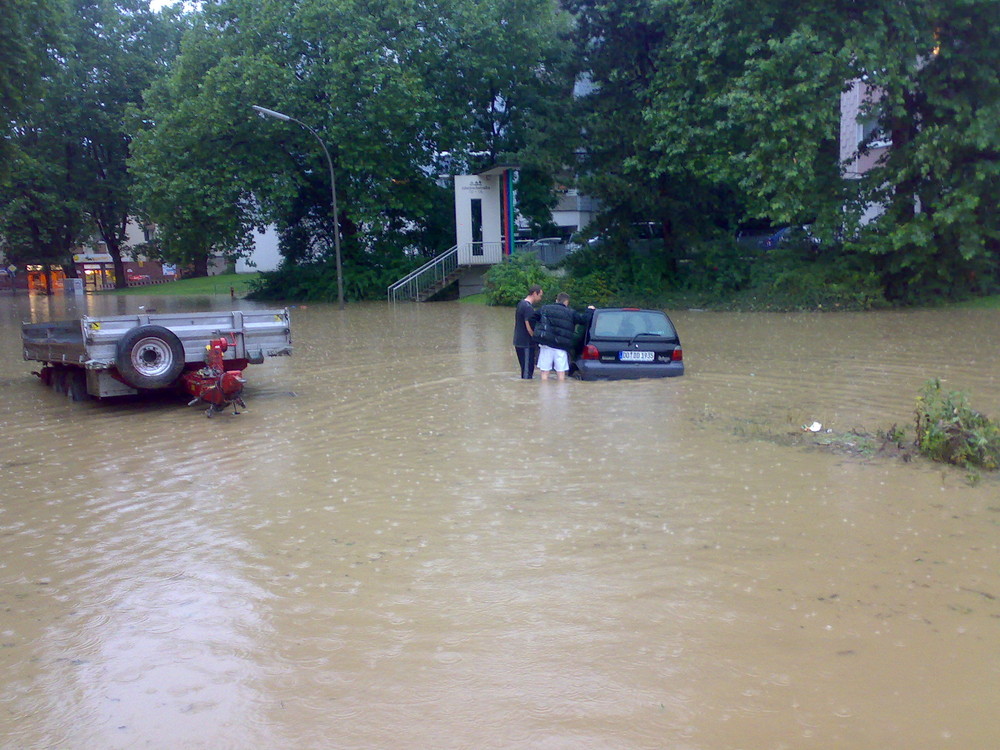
[(634, 356)]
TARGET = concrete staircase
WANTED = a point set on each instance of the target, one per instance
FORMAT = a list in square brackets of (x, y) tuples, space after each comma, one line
[(428, 280), (429, 291)]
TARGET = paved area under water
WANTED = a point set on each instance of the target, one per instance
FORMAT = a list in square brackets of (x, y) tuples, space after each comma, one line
[(419, 550)]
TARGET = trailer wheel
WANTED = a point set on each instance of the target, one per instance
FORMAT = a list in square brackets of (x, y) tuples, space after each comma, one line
[(59, 380), (150, 357), (76, 385)]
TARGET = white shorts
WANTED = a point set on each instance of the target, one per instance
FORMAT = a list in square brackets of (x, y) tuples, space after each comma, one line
[(552, 359)]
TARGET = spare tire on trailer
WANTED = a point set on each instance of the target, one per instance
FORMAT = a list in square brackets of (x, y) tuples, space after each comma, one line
[(150, 357)]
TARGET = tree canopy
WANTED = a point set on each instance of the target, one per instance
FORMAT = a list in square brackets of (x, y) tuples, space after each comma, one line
[(731, 106), (29, 31), (697, 118), (390, 88), (67, 176), (934, 65)]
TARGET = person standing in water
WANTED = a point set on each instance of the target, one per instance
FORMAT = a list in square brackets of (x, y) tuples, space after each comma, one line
[(556, 335), (524, 331)]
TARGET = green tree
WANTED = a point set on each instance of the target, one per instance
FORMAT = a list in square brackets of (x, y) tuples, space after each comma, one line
[(934, 67), (68, 176), (41, 208), (388, 86), (193, 149), (726, 111), (623, 50), (41, 199), (120, 49), (28, 34), (747, 98), (758, 124)]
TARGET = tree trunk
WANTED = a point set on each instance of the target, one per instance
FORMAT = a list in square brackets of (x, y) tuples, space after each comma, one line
[(200, 265), (115, 251), (896, 275), (112, 241), (669, 247)]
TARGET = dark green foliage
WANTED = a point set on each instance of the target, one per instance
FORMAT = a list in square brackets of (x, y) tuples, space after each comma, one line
[(720, 268), (797, 277), (389, 88), (949, 430), (620, 48), (707, 115), (29, 34), (592, 289), (67, 178), (935, 65), (316, 281), (627, 265), (536, 198), (507, 283)]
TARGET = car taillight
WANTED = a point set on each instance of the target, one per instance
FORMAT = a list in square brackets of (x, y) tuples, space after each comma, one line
[(590, 352), (677, 355)]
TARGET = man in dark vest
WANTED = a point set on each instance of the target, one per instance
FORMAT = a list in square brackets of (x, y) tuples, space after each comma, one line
[(556, 335)]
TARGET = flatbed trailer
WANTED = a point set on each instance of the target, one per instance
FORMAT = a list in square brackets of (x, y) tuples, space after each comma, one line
[(203, 353)]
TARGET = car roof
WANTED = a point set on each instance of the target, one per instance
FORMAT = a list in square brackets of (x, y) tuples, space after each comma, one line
[(628, 309)]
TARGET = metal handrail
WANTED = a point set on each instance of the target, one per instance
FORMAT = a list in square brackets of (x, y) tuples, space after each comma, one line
[(437, 269), (485, 253), (549, 255)]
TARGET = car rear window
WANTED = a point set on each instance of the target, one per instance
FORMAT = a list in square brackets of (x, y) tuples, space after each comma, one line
[(627, 323)]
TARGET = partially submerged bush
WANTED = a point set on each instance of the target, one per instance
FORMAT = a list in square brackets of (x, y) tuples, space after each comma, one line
[(592, 289), (507, 283), (949, 430)]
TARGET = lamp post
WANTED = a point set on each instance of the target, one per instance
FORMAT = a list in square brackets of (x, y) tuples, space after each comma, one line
[(333, 194)]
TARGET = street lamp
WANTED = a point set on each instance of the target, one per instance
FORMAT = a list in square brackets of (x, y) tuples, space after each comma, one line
[(333, 194)]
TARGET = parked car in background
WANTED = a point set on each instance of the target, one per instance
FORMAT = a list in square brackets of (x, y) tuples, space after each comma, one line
[(769, 240), (625, 343), (579, 240), (547, 243), (791, 234)]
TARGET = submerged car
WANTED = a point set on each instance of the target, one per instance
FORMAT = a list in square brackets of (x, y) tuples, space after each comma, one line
[(625, 342)]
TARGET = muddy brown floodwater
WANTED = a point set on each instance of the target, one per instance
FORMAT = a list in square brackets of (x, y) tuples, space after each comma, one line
[(419, 550)]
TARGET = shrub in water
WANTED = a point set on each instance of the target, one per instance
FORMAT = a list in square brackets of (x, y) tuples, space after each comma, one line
[(949, 430), (507, 283), (592, 289)]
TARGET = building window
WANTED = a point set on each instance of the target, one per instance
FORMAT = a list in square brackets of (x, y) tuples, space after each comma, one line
[(870, 132), (477, 226)]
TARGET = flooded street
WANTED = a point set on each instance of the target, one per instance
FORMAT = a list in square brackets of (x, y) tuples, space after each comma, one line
[(400, 544)]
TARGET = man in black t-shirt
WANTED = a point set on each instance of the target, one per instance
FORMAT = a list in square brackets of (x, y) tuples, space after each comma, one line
[(524, 321)]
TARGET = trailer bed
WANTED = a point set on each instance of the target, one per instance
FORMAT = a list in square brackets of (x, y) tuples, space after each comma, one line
[(95, 344), (92, 342)]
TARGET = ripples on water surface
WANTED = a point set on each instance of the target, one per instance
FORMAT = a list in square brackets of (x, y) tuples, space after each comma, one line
[(419, 550)]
